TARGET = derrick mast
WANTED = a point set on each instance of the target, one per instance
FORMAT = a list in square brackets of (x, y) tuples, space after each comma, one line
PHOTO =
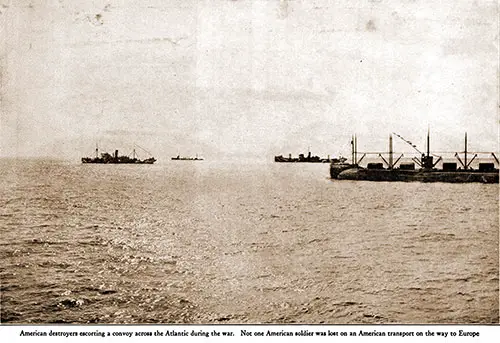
[(427, 160), (391, 160)]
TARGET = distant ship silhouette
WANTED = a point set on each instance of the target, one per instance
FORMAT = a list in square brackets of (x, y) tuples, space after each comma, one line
[(107, 158), (179, 158)]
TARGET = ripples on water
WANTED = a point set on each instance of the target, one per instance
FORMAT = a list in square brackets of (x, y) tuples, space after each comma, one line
[(202, 242)]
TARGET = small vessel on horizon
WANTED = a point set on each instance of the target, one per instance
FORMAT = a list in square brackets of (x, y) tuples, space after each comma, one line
[(114, 158), (308, 159), (406, 171), (179, 158)]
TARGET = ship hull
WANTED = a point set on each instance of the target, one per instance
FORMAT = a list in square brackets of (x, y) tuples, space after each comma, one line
[(464, 176), (337, 168)]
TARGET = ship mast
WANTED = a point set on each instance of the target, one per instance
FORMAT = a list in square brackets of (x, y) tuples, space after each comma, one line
[(466, 163), (465, 151), (391, 164), (428, 143), (352, 149), (96, 150), (355, 149), (427, 162)]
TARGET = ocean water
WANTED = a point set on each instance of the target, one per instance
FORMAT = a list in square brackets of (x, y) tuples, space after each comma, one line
[(227, 242)]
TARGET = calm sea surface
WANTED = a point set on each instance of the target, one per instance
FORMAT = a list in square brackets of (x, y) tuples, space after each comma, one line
[(209, 242)]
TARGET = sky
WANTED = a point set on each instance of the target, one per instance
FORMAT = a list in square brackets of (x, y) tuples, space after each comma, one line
[(236, 79)]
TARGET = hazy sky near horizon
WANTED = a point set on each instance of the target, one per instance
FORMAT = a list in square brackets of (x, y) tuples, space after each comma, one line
[(246, 78)]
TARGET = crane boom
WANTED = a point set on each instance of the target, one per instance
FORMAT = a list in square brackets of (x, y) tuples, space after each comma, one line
[(408, 142)]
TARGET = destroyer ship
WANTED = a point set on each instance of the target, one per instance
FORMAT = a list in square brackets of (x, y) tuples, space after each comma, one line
[(425, 171), (179, 158), (106, 158), (308, 159)]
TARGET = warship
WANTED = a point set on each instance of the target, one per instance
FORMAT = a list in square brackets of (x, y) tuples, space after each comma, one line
[(106, 158), (308, 159), (425, 171), (179, 158)]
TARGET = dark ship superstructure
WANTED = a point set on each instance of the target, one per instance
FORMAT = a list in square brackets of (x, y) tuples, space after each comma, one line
[(421, 169), (115, 158)]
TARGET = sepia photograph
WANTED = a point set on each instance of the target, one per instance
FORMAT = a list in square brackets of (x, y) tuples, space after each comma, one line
[(228, 162)]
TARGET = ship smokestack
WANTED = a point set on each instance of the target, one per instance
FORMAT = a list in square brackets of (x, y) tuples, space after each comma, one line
[(116, 154)]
